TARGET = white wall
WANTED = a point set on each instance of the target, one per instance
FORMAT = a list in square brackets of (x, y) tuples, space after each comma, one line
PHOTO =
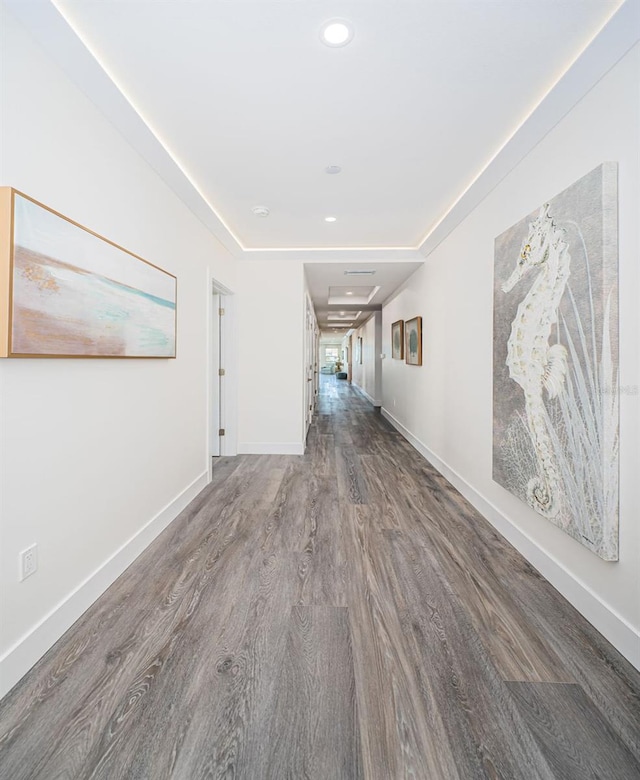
[(367, 376), (357, 368), (271, 326), (377, 376), (92, 451), (446, 405)]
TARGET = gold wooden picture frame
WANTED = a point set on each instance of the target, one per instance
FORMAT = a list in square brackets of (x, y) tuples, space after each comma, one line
[(397, 340), (413, 341), (66, 291)]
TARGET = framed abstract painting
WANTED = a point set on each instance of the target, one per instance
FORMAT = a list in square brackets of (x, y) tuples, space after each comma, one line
[(397, 340), (67, 292), (413, 341)]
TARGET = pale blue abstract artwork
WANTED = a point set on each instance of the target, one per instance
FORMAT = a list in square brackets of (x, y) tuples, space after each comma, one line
[(78, 295)]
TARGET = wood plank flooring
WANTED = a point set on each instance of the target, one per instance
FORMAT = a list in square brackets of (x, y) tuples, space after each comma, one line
[(341, 615)]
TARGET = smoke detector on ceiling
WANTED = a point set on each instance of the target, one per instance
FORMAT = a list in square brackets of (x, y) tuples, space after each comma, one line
[(332, 169), (260, 211)]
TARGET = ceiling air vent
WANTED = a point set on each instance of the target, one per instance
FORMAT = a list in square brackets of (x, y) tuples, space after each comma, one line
[(359, 273)]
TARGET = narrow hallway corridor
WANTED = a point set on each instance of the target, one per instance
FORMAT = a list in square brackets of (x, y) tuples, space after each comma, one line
[(342, 614)]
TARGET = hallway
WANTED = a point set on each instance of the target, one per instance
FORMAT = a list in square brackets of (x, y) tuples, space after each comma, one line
[(342, 614)]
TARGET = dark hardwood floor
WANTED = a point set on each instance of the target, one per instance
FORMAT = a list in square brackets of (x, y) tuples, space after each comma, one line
[(344, 614)]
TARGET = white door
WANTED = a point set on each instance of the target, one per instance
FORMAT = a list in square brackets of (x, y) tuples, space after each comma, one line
[(316, 366), (311, 364), (216, 366), (222, 374), (219, 433)]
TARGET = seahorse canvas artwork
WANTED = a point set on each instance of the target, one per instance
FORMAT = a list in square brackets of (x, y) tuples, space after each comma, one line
[(555, 361)]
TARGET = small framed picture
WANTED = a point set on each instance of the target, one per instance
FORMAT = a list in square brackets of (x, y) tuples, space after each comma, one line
[(397, 340), (413, 341)]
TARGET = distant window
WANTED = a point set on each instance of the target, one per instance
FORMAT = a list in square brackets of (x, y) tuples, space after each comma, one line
[(331, 354)]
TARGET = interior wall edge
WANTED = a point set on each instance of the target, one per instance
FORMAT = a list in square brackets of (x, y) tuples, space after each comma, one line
[(363, 392), (28, 650), (601, 615), (605, 51), (51, 31)]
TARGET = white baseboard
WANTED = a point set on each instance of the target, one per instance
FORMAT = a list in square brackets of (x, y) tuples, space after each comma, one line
[(270, 448), (363, 392), (623, 636), (17, 661)]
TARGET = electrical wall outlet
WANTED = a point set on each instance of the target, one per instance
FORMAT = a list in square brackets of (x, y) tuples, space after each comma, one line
[(28, 561)]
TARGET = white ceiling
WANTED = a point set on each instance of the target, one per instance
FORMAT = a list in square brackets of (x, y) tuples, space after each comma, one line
[(328, 282), (253, 107)]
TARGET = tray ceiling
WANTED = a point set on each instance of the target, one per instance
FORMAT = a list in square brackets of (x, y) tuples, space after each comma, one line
[(254, 107)]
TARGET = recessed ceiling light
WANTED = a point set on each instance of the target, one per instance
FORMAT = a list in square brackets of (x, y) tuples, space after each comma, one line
[(332, 169), (260, 211), (336, 32), (330, 219), (349, 292)]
